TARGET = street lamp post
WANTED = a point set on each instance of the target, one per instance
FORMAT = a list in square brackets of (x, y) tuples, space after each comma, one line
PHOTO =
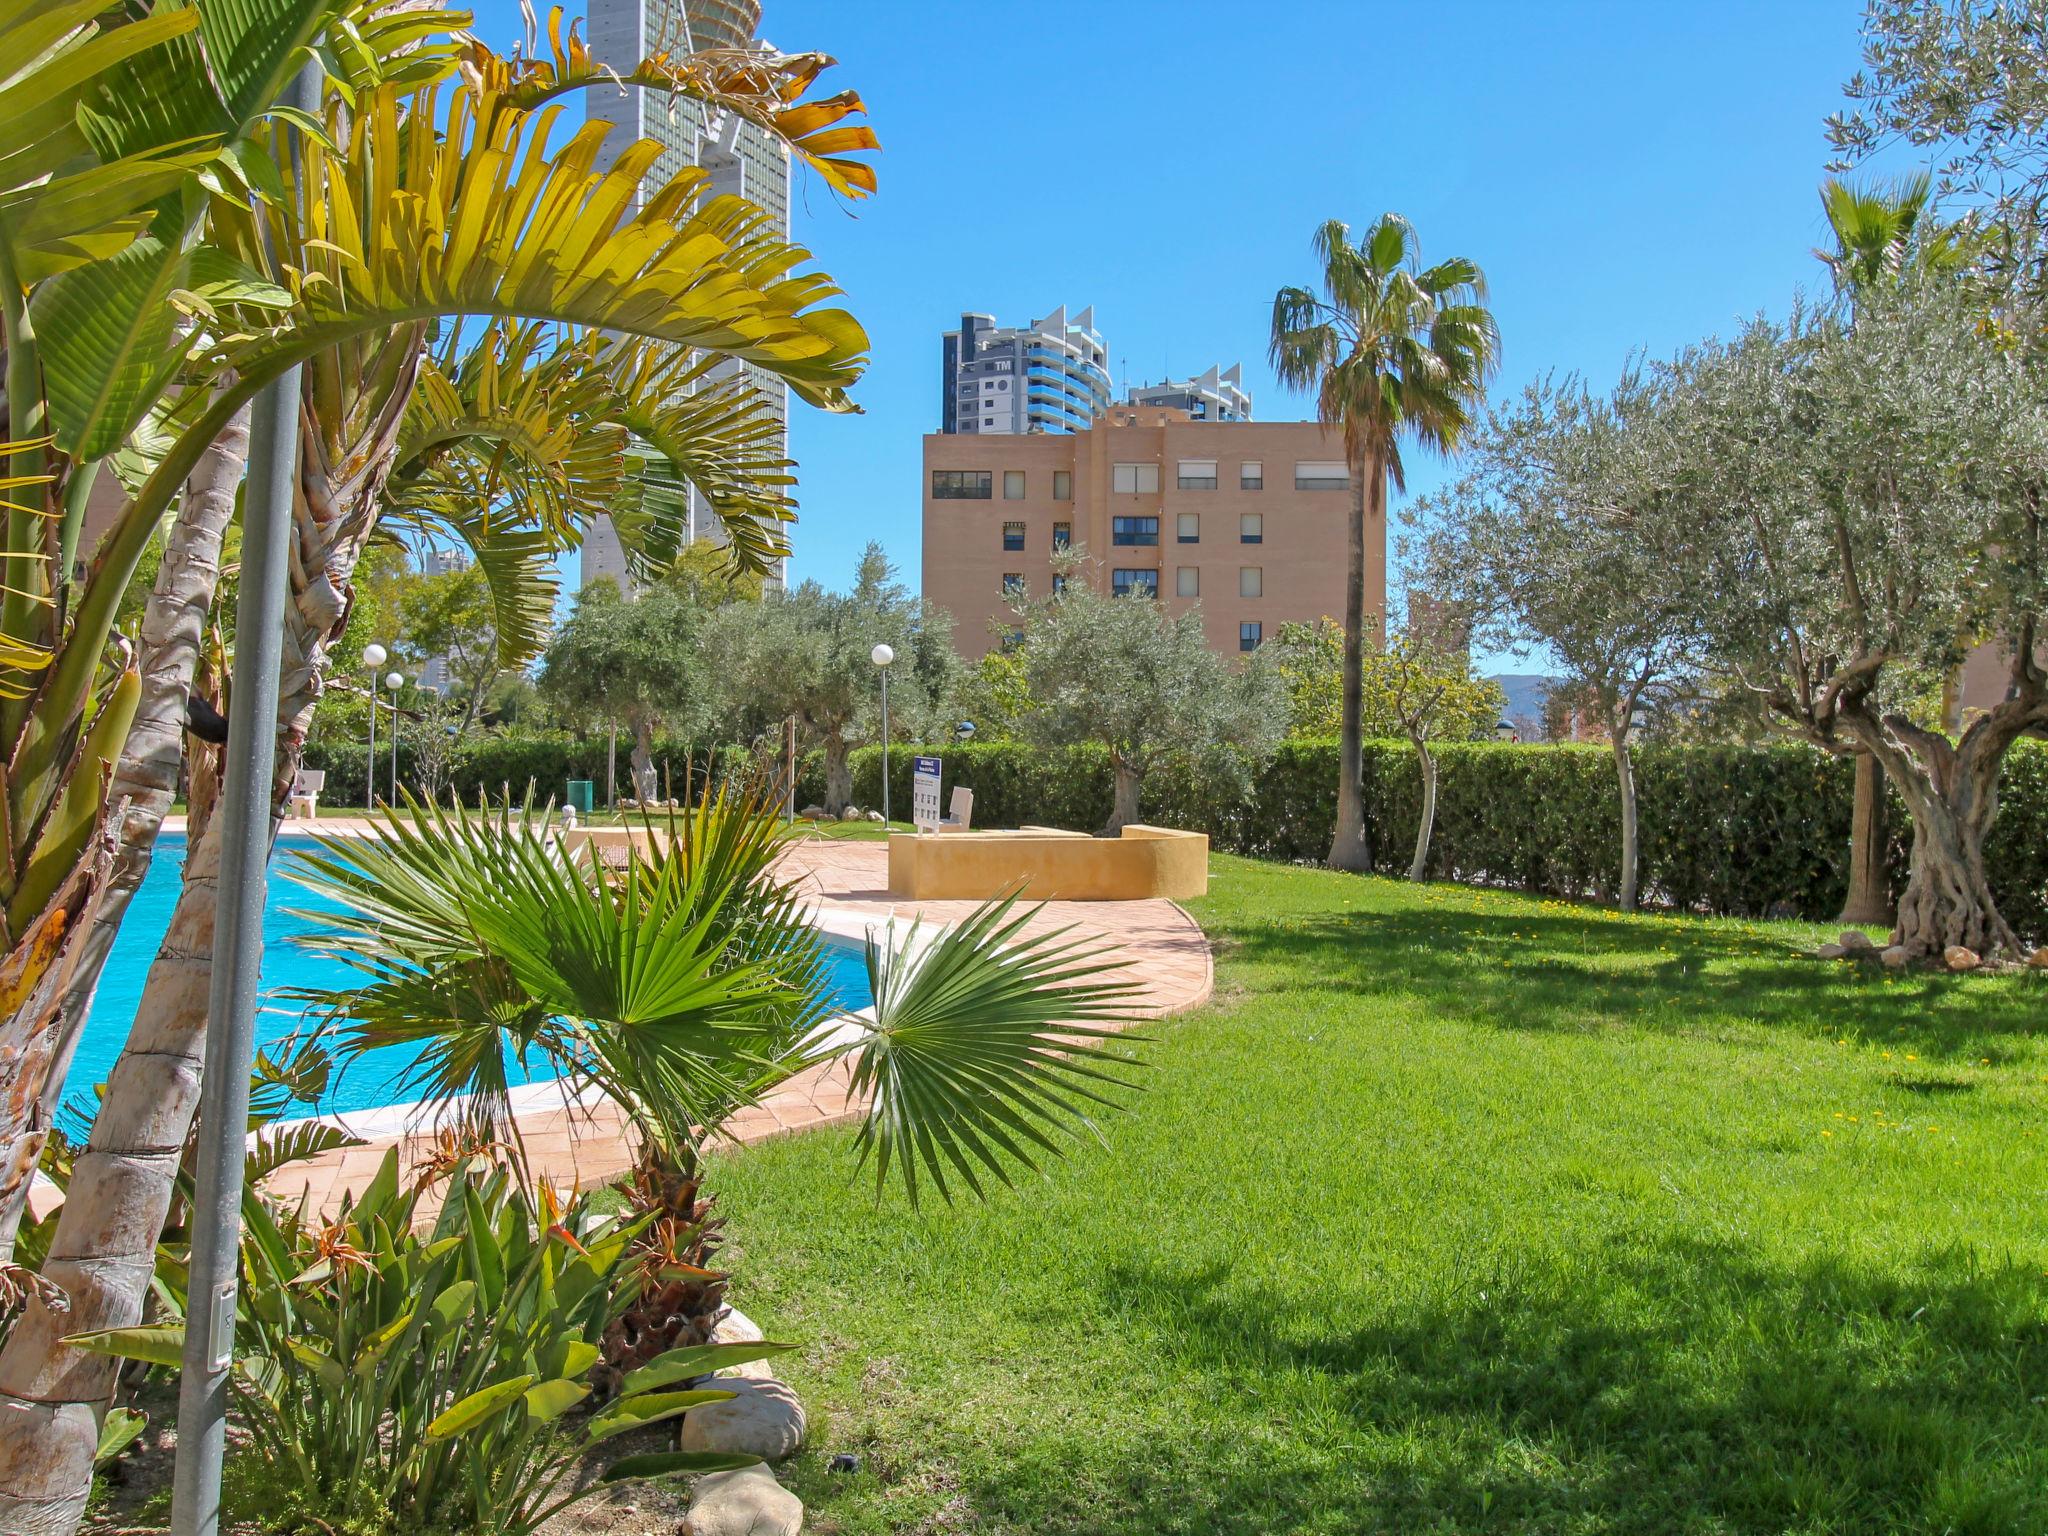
[(881, 656), (373, 658), (392, 681)]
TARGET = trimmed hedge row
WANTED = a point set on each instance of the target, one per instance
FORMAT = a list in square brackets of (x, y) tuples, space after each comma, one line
[(1743, 831), (491, 764)]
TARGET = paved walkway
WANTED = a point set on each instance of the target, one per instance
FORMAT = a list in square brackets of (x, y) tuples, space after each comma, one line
[(587, 1143)]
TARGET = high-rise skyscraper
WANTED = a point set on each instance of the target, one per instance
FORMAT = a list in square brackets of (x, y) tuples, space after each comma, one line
[(1049, 376), (740, 158), (1217, 395)]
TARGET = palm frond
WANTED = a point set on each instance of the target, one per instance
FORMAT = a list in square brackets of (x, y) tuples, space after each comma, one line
[(983, 1050)]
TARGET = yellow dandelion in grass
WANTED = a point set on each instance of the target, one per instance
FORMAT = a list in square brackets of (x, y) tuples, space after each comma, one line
[(1827, 1133), (1911, 1057)]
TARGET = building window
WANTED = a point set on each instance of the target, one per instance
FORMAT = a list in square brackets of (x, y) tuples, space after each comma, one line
[(1134, 530), (1124, 583), (1013, 583), (1251, 581), (1188, 528), (1063, 485), (1013, 485), (1311, 475), (1251, 528), (1197, 475), (1062, 535), (1251, 476), (961, 484), (1135, 479), (1249, 634), (1013, 535), (1059, 583), (1187, 582)]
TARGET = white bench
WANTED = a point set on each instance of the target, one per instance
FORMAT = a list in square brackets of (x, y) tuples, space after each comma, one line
[(305, 796)]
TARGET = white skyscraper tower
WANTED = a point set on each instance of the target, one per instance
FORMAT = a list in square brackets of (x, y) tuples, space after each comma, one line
[(740, 158)]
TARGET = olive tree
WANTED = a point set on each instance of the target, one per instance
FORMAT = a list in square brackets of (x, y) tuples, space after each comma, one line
[(807, 654), (1551, 540), (1861, 503), (629, 660), (1139, 679)]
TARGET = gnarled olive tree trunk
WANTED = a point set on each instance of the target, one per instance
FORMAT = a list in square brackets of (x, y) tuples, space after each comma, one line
[(1129, 779), (104, 1251), (1951, 791), (1426, 826), (838, 772), (1631, 852)]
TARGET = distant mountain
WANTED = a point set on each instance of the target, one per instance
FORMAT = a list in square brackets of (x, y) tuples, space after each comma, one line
[(1525, 694)]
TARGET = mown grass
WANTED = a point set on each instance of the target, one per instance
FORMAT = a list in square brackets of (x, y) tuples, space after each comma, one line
[(1460, 1211)]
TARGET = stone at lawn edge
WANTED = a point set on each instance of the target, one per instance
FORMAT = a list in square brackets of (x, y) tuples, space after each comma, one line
[(874, 815), (738, 1328), (762, 1419), (1958, 958), (1855, 940), (812, 813), (1896, 957), (1829, 952), (2039, 958), (749, 1502), (850, 814)]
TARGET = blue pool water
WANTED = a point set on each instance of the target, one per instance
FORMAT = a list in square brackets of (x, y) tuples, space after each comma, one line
[(372, 1079)]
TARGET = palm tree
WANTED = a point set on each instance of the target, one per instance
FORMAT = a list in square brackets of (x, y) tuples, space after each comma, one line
[(380, 230), (689, 985), (1883, 235), (1393, 350)]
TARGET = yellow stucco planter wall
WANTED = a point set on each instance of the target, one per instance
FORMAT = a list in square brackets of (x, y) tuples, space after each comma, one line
[(1143, 864)]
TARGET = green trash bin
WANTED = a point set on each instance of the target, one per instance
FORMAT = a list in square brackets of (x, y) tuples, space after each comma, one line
[(582, 794)]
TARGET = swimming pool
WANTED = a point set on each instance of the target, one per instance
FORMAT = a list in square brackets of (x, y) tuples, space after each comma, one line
[(372, 1079)]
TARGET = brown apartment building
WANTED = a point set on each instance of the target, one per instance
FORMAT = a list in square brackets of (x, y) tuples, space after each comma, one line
[(1245, 518)]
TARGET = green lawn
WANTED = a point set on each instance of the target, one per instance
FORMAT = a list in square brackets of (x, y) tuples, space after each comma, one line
[(1460, 1211)]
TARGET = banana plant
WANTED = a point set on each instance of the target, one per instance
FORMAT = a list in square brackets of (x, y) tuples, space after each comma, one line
[(404, 1369), (405, 203)]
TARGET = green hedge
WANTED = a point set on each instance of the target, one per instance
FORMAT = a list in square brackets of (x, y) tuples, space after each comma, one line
[(491, 764), (1746, 831)]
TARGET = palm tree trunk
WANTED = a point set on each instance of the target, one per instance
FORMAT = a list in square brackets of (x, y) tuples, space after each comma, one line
[(146, 777), (104, 1252), (1349, 846), (1869, 901), (1426, 760)]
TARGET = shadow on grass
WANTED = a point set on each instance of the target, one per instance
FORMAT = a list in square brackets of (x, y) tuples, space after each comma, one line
[(1682, 1388), (1530, 970)]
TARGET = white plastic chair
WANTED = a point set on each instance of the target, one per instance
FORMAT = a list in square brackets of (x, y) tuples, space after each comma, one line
[(962, 811), (305, 796)]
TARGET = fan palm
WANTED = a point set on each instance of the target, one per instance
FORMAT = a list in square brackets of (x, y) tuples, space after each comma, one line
[(1394, 351), (688, 985)]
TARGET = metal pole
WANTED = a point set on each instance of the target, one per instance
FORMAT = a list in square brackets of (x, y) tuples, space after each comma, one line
[(394, 744), (885, 746), (245, 814), (370, 782)]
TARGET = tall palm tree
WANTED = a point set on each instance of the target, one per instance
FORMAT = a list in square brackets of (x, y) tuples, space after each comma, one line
[(1884, 235), (1394, 351)]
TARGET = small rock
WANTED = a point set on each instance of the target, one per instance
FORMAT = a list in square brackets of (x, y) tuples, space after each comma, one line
[(812, 813), (762, 1419), (1855, 940), (2039, 958), (851, 813), (1957, 957), (1895, 957), (874, 815), (749, 1502), (845, 1461), (1829, 952), (738, 1328)]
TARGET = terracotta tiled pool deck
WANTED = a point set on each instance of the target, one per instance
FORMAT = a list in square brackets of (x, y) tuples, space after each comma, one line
[(587, 1144)]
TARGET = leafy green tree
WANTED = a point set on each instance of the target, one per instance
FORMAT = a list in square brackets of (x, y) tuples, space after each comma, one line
[(1861, 503), (449, 615), (1394, 352), (1309, 660), (1548, 542), (632, 661), (808, 653), (996, 695), (1141, 680)]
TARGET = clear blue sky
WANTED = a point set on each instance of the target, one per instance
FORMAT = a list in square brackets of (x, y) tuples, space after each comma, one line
[(1633, 174)]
